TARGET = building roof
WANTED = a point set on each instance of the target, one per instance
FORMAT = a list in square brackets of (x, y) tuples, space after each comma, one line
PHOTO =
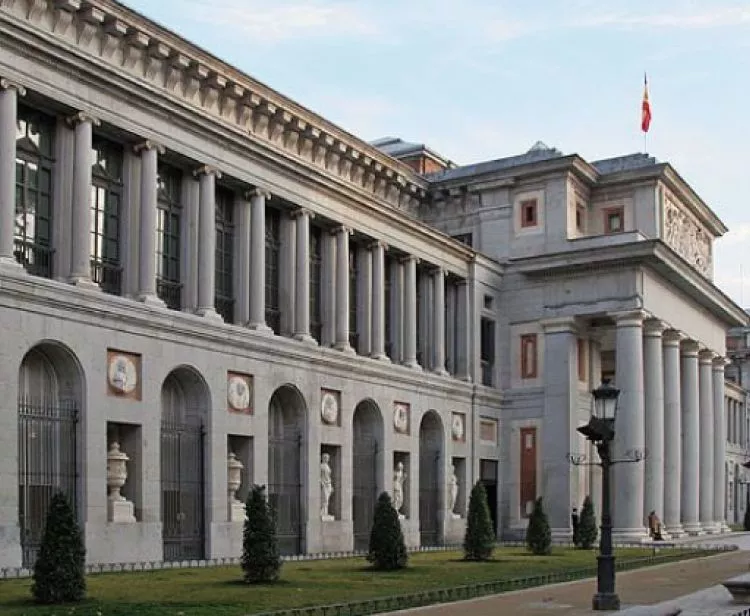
[(398, 148)]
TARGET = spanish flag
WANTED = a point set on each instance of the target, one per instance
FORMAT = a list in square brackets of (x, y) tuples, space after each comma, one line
[(645, 107)]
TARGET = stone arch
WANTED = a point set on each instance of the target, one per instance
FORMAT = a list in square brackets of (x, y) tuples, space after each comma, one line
[(287, 421), (185, 407), (367, 461), (50, 399), (431, 478)]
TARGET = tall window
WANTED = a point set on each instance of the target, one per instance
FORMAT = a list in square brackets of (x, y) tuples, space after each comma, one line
[(353, 334), (106, 203), (528, 356), (169, 212), (316, 325), (487, 351), (224, 299), (34, 163), (273, 242)]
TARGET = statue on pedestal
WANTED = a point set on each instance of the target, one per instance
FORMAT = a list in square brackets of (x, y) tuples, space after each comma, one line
[(399, 477), (326, 487), (119, 509), (234, 481), (453, 492)]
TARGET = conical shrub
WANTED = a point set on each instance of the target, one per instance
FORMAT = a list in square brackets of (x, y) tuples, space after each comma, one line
[(587, 530), (261, 561), (479, 540), (387, 548), (538, 534)]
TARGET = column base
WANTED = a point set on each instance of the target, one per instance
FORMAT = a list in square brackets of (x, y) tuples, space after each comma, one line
[(630, 535), (151, 299), (561, 535), (413, 365), (605, 602), (261, 328), (675, 532), (440, 372), (725, 528), (306, 339), (209, 314), (381, 357), (344, 347), (9, 264), (694, 529), (84, 282)]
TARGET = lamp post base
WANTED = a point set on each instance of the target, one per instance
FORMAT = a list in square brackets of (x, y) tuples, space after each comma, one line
[(606, 601)]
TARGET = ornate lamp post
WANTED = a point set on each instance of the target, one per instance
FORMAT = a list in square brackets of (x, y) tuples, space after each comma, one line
[(601, 432)]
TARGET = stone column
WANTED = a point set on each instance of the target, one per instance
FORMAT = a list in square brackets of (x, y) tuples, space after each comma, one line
[(706, 426), (241, 270), (450, 327), (653, 382), (149, 152), (9, 93), (464, 330), (690, 439), (364, 299), (378, 301), (342, 290), (410, 313), (302, 274), (672, 434), (397, 310), (720, 445), (207, 177), (630, 428), (438, 321), (81, 219), (258, 199)]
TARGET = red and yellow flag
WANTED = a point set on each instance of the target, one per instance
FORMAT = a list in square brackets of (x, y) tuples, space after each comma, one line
[(645, 107)]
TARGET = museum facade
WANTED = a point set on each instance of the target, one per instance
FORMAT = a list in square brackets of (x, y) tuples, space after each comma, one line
[(204, 285)]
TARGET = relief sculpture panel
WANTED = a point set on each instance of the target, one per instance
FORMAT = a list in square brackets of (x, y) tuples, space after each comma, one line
[(687, 238)]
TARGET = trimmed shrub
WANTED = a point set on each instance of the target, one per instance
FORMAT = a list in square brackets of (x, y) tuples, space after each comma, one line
[(479, 540), (261, 561), (59, 571), (587, 530), (538, 534), (387, 548)]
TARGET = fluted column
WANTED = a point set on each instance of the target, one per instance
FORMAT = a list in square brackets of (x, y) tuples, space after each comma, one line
[(672, 434), (706, 422), (653, 382), (720, 445), (302, 274), (342, 290), (464, 330), (690, 439), (81, 219), (410, 312), (438, 321), (378, 301), (258, 199), (149, 152), (207, 177), (630, 427), (9, 93)]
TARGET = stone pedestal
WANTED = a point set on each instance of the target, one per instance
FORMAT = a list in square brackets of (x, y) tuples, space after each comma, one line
[(455, 529), (120, 511)]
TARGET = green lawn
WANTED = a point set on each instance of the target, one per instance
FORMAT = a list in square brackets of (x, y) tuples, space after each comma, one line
[(219, 591)]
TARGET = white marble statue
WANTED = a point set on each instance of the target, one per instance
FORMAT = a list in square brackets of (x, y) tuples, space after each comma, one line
[(399, 476), (326, 487), (453, 492)]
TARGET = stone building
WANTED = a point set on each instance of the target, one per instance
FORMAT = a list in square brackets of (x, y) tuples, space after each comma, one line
[(204, 285), (738, 423)]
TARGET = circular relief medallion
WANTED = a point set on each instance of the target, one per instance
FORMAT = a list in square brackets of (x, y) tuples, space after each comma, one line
[(457, 427), (238, 393), (122, 375), (329, 408), (400, 418)]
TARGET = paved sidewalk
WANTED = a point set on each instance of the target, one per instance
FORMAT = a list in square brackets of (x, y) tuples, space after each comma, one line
[(641, 587)]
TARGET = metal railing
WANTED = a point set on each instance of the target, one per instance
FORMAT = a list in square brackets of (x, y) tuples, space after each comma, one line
[(170, 292), (35, 258), (107, 275)]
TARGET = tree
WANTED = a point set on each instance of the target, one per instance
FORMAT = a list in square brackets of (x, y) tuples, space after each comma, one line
[(746, 520), (260, 550), (538, 534), (587, 530), (60, 568), (479, 540), (387, 548)]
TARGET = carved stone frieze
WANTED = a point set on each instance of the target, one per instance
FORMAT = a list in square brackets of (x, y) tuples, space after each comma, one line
[(687, 238), (132, 44)]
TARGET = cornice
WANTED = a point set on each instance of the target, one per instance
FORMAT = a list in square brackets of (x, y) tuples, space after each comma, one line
[(126, 42)]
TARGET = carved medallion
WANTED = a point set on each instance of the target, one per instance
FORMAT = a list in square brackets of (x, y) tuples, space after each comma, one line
[(329, 407), (401, 417), (122, 374), (239, 393), (457, 427)]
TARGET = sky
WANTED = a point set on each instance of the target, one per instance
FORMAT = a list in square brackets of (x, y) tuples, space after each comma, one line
[(483, 79)]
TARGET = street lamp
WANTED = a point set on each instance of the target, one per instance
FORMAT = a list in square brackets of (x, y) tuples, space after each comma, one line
[(601, 432)]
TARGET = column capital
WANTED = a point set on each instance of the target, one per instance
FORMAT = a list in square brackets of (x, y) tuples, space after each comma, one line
[(559, 325), (342, 229), (377, 243), (148, 144), (690, 348), (7, 84), (654, 328), (257, 191), (207, 170), (672, 337), (407, 258), (82, 117), (706, 356), (720, 363), (301, 212), (630, 318)]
